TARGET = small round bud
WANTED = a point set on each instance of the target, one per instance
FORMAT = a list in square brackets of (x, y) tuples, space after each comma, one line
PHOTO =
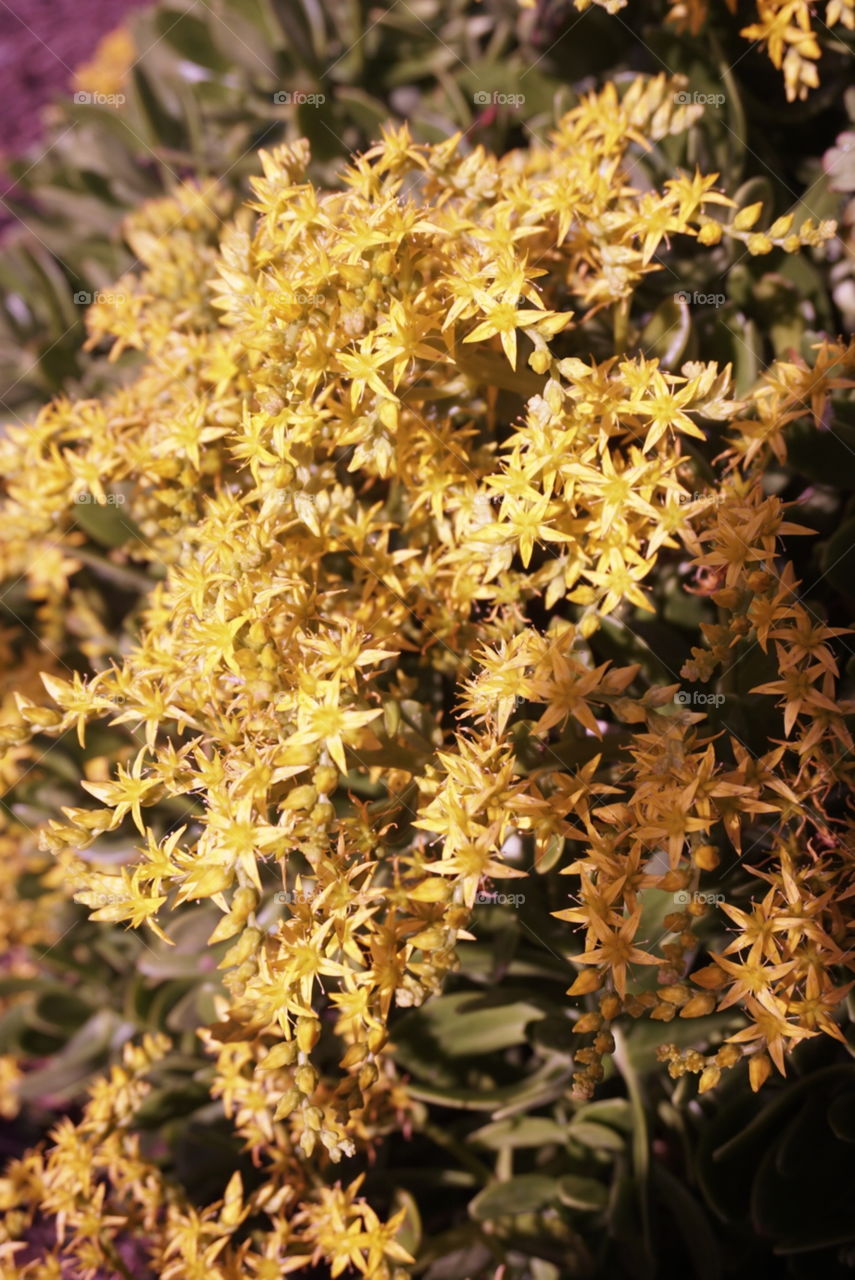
[(325, 779), (759, 244), (610, 1006), (323, 813), (304, 797), (709, 233)]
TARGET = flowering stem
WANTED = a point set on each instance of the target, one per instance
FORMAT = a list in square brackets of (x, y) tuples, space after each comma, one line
[(621, 325), (129, 579), (461, 1153), (495, 371), (640, 1153)]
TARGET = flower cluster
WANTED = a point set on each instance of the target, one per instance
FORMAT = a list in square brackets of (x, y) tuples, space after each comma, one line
[(380, 502), (786, 29), (111, 1209)]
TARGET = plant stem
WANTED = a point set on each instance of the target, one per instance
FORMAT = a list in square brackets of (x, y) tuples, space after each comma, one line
[(129, 579)]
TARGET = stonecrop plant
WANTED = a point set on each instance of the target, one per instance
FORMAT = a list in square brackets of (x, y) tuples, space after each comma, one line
[(386, 466), (789, 31)]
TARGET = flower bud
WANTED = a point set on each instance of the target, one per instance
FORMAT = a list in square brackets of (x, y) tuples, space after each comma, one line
[(710, 1077), (699, 1006), (759, 244), (313, 1118), (588, 1022), (325, 779), (303, 797), (368, 1076), (286, 1104), (244, 902), (759, 1070), (587, 981), (306, 1079), (308, 1033), (610, 1006), (728, 1055), (706, 856), (376, 1039)]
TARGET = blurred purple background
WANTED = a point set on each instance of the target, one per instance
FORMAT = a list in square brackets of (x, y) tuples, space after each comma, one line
[(41, 42)]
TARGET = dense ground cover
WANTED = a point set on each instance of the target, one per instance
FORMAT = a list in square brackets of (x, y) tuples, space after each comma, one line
[(427, 692)]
